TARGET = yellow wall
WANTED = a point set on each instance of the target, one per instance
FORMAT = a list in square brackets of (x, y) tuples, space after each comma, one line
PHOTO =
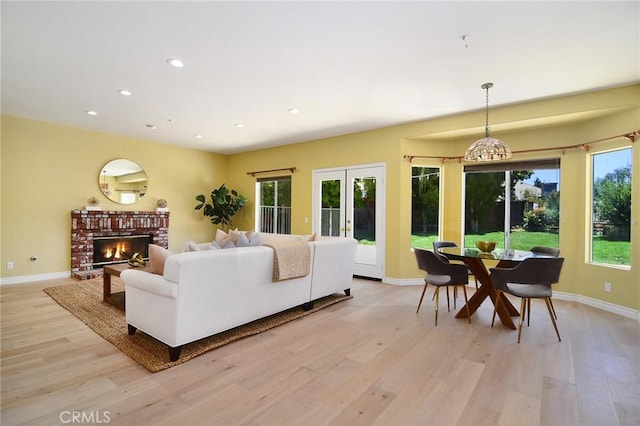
[(47, 170), (601, 115)]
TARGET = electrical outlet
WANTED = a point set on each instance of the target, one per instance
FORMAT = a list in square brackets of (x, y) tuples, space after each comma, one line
[(9, 265), (607, 287)]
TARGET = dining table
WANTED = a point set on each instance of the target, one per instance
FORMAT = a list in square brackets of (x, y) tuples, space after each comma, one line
[(475, 260)]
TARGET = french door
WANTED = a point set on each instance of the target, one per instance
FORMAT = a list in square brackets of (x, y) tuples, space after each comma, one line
[(349, 202)]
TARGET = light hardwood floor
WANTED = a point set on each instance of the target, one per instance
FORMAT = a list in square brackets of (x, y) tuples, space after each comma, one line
[(367, 361)]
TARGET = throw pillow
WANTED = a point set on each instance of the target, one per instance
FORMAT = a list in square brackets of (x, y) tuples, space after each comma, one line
[(157, 257), (191, 245), (254, 238), (221, 236), (242, 240), (311, 237), (228, 244)]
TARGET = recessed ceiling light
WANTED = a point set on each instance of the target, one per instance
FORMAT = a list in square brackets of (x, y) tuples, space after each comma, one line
[(294, 110), (239, 125), (151, 126), (91, 112), (197, 136), (125, 92), (175, 62)]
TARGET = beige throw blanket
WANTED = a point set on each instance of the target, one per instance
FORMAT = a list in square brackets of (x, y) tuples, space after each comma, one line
[(291, 259)]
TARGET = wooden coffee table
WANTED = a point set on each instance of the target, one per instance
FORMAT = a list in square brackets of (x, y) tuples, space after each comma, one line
[(116, 299)]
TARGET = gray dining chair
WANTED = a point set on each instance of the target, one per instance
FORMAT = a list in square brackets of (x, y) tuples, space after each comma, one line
[(530, 279), (550, 251), (439, 244), (436, 246), (441, 273)]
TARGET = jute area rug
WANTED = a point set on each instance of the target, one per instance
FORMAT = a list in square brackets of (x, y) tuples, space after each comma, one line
[(84, 300)]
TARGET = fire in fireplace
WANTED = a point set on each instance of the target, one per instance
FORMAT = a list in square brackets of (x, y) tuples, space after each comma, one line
[(119, 248)]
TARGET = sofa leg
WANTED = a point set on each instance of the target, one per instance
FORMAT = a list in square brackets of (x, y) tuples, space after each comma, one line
[(347, 292), (174, 353), (308, 306), (131, 329)]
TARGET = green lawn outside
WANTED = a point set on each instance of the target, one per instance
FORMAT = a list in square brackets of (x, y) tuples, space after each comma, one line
[(607, 252)]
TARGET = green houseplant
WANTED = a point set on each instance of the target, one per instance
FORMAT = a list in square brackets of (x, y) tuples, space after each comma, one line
[(224, 205)]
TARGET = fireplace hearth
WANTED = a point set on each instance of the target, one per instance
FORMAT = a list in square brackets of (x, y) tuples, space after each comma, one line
[(89, 226)]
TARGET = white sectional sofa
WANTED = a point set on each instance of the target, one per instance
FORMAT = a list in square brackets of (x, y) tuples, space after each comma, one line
[(205, 292)]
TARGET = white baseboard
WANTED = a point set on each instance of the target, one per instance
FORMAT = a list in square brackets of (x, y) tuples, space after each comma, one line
[(403, 281), (23, 279), (599, 304), (589, 301)]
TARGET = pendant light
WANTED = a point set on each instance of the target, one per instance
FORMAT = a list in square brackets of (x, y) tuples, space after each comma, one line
[(487, 148)]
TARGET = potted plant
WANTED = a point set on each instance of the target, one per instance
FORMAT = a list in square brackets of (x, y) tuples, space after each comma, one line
[(224, 205)]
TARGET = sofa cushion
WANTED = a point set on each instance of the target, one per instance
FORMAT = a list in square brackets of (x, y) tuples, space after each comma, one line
[(157, 257)]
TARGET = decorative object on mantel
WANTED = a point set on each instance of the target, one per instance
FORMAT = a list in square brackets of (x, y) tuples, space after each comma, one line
[(93, 204), (487, 148), (161, 205), (137, 260), (224, 205)]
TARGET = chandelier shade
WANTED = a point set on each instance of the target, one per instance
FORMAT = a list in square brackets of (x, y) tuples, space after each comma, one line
[(487, 148)]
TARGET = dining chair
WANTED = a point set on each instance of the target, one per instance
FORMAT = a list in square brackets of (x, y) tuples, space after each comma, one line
[(530, 279), (441, 273), (551, 251), (436, 246), (439, 244)]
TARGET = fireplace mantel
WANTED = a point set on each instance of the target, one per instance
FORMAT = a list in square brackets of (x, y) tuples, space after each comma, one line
[(87, 224)]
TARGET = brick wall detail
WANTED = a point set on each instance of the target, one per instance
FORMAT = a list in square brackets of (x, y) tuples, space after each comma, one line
[(87, 224)]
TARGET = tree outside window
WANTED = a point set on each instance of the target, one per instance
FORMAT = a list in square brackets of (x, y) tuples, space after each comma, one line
[(425, 206), (525, 215), (611, 207)]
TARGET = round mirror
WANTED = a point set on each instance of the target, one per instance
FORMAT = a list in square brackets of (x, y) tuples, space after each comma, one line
[(123, 181)]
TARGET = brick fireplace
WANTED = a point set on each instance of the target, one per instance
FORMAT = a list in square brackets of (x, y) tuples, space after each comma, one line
[(87, 224)]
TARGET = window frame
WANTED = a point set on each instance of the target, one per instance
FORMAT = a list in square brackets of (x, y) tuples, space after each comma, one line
[(553, 163), (259, 206), (590, 222), (439, 224)]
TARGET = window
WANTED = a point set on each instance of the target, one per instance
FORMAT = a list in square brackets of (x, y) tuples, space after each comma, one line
[(611, 207), (127, 197), (274, 209), (531, 215), (425, 206)]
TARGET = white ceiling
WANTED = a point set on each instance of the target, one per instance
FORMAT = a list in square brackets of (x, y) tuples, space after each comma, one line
[(348, 66)]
